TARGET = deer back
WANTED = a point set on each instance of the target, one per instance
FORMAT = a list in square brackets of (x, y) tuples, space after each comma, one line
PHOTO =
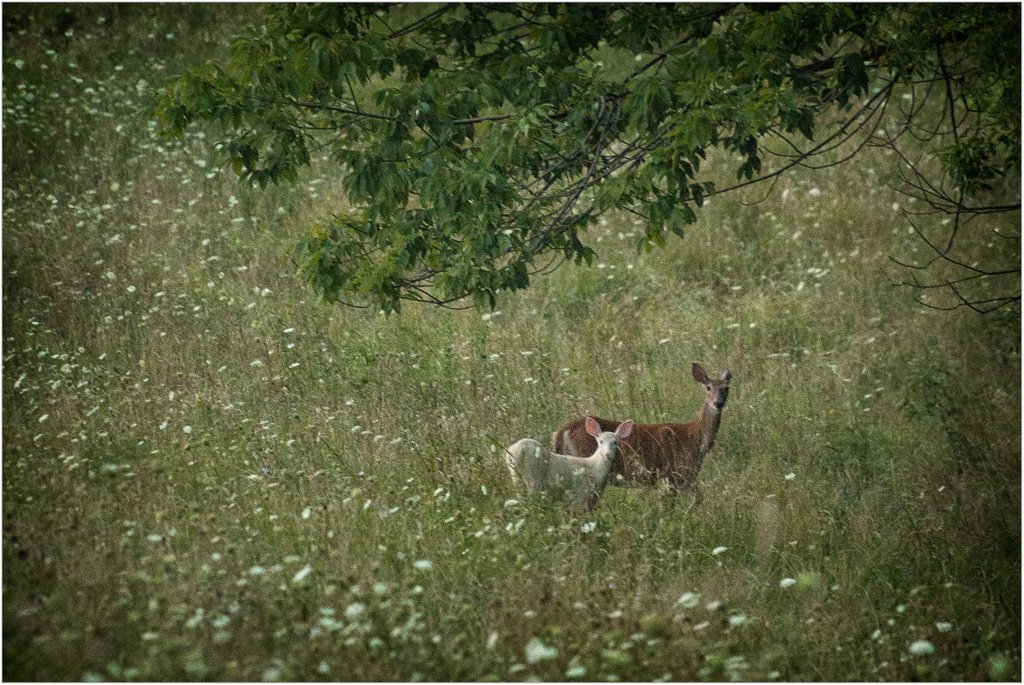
[(528, 462)]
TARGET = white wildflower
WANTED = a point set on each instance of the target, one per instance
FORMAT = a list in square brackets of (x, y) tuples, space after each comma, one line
[(921, 647), (689, 600), (538, 651)]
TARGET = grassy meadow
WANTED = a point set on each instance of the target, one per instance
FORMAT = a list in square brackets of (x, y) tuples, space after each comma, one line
[(209, 475)]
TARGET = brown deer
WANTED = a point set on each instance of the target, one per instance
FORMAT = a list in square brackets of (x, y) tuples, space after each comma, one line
[(670, 451)]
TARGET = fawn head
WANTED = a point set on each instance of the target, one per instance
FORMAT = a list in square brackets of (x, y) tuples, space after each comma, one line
[(608, 442), (717, 389)]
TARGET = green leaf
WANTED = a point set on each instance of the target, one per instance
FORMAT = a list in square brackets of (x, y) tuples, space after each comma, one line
[(476, 151)]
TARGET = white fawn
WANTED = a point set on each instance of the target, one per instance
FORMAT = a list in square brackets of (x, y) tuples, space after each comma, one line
[(670, 451), (580, 479)]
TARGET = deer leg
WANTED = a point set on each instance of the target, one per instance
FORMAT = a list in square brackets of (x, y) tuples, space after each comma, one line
[(671, 489), (698, 496)]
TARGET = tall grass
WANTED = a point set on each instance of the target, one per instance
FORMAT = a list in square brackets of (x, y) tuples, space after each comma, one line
[(209, 475)]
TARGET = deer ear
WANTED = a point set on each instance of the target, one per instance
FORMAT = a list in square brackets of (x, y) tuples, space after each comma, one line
[(593, 427), (624, 429), (726, 375), (699, 374)]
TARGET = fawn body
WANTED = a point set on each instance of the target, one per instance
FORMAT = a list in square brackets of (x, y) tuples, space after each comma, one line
[(581, 479), (670, 451)]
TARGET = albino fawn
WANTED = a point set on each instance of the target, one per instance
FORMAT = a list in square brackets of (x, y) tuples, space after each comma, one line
[(581, 479), (673, 451)]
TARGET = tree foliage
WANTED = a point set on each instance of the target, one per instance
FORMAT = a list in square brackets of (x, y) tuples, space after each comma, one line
[(477, 142)]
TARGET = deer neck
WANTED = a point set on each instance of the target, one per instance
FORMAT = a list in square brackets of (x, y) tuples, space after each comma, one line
[(708, 420), (600, 467)]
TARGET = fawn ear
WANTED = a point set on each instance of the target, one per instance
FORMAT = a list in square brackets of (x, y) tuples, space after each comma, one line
[(593, 427), (624, 429), (726, 375), (699, 374)]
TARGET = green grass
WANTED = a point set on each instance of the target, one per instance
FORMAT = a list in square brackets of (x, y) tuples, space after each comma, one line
[(210, 476)]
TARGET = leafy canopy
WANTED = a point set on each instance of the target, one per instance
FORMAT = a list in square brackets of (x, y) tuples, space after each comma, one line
[(476, 142)]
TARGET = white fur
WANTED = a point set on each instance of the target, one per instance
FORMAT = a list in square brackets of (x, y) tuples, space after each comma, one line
[(579, 479), (568, 445)]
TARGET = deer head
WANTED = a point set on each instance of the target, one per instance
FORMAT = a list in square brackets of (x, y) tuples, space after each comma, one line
[(717, 390)]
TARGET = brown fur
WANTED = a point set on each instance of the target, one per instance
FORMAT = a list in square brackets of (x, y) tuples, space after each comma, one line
[(670, 451)]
